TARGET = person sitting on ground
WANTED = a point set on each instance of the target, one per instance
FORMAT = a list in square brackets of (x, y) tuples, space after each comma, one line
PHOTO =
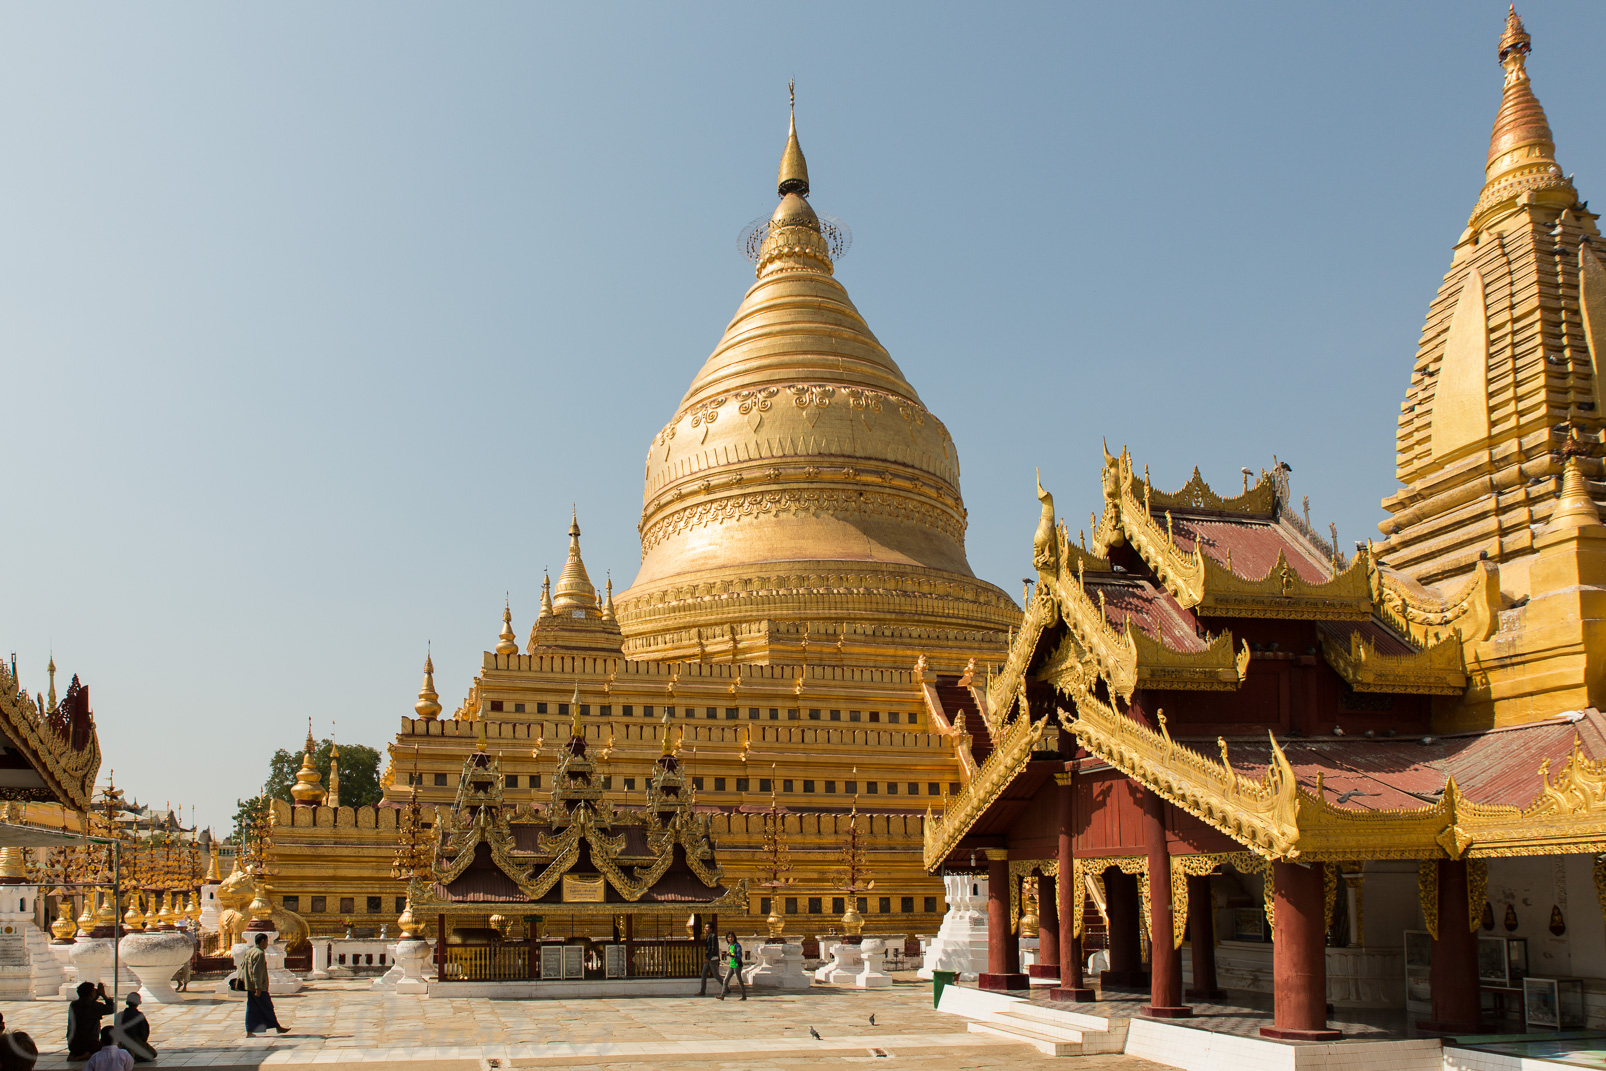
[(109, 1057), (133, 1031), (17, 1050), (83, 1020)]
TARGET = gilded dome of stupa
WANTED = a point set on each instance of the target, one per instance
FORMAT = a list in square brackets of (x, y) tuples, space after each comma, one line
[(802, 491)]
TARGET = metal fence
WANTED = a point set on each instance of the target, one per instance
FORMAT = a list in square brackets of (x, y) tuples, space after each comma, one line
[(487, 963), (667, 959)]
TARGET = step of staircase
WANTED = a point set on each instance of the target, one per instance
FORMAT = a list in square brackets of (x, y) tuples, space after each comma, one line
[(1043, 1043)]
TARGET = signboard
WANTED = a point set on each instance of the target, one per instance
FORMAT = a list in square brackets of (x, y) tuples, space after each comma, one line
[(579, 889), (13, 950)]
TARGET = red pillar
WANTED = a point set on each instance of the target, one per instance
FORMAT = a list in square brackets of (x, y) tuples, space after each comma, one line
[(1454, 973), (1003, 952), (1126, 951), (1048, 930), (1202, 941), (1071, 986), (1299, 956), (1165, 962)]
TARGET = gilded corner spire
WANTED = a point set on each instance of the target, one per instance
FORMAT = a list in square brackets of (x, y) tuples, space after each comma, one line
[(1576, 506), (608, 614), (507, 643), (575, 729), (546, 595), (428, 706), (1522, 151)]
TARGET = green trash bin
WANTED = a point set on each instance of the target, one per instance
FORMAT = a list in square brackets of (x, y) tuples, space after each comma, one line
[(938, 980)]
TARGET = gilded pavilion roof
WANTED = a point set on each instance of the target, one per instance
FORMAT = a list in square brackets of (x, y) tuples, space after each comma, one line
[(49, 751), (578, 853)]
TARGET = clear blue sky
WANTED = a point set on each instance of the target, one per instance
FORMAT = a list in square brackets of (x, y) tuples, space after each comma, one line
[(314, 319)]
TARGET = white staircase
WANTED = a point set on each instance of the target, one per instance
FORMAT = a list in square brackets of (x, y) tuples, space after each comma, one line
[(1055, 1033)]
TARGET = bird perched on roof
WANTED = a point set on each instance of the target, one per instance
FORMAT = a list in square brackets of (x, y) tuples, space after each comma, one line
[(872, 1018), (1345, 797), (815, 1034)]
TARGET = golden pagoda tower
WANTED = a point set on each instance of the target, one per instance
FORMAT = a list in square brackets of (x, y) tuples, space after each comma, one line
[(333, 799), (1496, 528), (802, 494)]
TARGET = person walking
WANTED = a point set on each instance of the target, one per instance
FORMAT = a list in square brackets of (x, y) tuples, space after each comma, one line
[(133, 1031), (711, 957), (734, 951), (259, 1014), (83, 1020)]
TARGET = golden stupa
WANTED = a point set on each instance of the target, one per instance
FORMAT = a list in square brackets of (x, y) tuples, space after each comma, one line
[(802, 494)]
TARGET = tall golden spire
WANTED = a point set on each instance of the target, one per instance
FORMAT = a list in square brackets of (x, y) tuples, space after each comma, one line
[(575, 592), (333, 798), (52, 668), (1522, 152), (428, 706), (507, 643), (608, 614), (546, 597), (793, 176), (575, 729), (795, 241)]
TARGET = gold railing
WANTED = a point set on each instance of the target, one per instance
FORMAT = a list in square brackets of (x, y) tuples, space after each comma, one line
[(667, 959), (487, 963)]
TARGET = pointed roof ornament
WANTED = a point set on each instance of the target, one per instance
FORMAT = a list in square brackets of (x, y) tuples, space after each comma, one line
[(52, 668), (1576, 506), (428, 706), (546, 595), (793, 176), (575, 728), (575, 592), (608, 615), (507, 643), (1522, 151)]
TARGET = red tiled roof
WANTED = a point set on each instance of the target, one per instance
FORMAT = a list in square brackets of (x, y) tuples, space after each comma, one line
[(1152, 611), (1374, 632), (1497, 767), (1253, 542)]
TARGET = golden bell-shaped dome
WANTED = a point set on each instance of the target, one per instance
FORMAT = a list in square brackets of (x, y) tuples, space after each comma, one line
[(802, 487), (507, 643), (308, 789), (575, 595), (428, 706)]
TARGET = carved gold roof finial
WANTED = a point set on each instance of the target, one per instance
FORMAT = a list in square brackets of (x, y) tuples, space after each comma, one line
[(507, 643), (1522, 152), (308, 789), (428, 706), (1576, 506), (575, 729), (668, 745), (576, 595), (546, 596), (52, 669), (608, 614)]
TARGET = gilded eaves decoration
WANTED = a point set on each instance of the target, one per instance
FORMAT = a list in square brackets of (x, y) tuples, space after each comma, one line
[(1197, 581), (1019, 871), (1435, 670), (1184, 867), (47, 740), (1470, 613), (1011, 752)]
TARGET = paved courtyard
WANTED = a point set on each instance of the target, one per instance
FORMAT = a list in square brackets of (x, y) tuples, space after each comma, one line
[(341, 1023)]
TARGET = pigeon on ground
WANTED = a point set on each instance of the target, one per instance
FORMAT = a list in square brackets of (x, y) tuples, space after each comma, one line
[(872, 1018), (815, 1034)]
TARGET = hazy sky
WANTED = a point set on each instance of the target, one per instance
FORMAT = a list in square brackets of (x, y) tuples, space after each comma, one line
[(314, 319)]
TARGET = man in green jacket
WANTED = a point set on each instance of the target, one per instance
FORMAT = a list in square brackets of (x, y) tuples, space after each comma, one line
[(259, 1014)]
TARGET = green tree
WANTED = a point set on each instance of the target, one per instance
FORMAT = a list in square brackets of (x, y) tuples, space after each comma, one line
[(359, 773)]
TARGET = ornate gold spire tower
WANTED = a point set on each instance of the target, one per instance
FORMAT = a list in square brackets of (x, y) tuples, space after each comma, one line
[(1509, 360), (572, 618), (802, 494)]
